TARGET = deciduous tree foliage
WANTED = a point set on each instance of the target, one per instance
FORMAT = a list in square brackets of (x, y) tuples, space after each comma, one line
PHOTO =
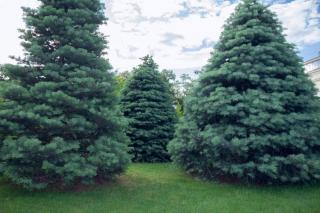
[(179, 87), (121, 80), (148, 105), (60, 122), (253, 114)]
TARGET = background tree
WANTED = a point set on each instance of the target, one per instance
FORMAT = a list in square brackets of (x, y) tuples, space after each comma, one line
[(184, 85), (60, 122), (253, 114), (147, 103), (179, 88), (122, 78), (171, 79)]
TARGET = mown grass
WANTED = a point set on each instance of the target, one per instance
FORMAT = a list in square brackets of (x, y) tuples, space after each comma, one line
[(162, 188)]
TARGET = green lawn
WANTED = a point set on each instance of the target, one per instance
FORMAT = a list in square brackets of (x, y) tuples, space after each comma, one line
[(162, 188)]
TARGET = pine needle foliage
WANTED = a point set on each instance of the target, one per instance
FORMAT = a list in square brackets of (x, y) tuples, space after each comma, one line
[(253, 115), (148, 105), (60, 122)]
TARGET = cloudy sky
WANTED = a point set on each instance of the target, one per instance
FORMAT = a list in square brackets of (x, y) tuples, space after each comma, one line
[(180, 34)]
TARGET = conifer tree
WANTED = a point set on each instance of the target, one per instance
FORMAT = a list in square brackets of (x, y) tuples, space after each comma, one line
[(60, 121), (148, 105), (253, 114)]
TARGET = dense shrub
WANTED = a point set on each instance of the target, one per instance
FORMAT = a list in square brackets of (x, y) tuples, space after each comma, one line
[(253, 114), (148, 105), (60, 120)]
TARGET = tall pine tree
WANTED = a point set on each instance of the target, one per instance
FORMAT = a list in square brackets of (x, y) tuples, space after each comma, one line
[(60, 121), (148, 105), (253, 114)]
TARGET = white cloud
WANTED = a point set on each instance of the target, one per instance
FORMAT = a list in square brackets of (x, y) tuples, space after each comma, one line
[(163, 8), (301, 20), (137, 25), (144, 24), (179, 33), (10, 21)]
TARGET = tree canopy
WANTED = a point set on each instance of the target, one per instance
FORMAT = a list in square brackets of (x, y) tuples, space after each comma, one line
[(60, 122), (148, 105), (253, 115)]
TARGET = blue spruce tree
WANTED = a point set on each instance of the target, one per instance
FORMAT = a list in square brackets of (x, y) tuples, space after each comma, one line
[(148, 105), (253, 114), (60, 121)]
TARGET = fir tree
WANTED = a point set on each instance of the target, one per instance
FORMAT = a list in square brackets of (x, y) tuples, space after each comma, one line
[(60, 122), (253, 114), (147, 103)]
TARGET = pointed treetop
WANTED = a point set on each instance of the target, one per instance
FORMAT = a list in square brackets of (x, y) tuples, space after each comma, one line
[(148, 62)]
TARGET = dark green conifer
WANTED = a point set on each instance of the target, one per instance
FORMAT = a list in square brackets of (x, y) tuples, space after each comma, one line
[(148, 105), (253, 114), (60, 120)]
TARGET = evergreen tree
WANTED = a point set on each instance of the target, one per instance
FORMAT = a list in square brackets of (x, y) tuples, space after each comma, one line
[(147, 103), (253, 114), (60, 122)]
